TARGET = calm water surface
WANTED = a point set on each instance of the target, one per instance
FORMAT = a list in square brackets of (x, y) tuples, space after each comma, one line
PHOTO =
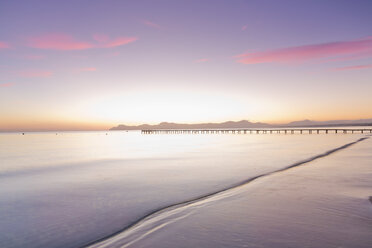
[(69, 189)]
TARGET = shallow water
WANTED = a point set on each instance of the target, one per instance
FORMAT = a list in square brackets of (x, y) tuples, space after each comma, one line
[(70, 189), (324, 203)]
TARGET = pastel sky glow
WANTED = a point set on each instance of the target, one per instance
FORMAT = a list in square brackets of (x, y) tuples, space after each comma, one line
[(4, 45), (35, 74), (92, 64), (6, 84), (67, 42), (201, 60), (88, 69), (308, 52), (151, 24), (353, 67)]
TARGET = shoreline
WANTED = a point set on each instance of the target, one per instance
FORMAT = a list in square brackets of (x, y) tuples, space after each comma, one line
[(123, 238)]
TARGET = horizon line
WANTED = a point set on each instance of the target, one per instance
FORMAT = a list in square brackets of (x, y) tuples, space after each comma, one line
[(112, 128)]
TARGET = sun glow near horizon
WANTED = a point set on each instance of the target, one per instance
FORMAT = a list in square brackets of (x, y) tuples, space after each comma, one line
[(183, 106)]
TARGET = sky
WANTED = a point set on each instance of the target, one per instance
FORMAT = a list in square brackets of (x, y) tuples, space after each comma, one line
[(94, 64)]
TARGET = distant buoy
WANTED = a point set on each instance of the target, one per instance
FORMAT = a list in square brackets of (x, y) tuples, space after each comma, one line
[(23, 133)]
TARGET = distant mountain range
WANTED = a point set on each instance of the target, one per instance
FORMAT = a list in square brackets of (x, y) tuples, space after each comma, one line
[(309, 123), (245, 124)]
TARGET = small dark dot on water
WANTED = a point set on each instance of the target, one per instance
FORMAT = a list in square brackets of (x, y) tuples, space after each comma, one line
[(23, 133), (370, 199)]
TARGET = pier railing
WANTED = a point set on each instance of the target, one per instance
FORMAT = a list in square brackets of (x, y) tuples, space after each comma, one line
[(258, 131)]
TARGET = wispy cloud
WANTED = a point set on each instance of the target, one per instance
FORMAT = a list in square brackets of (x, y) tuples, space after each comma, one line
[(4, 45), (309, 52), (35, 74), (354, 67), (201, 60), (119, 42), (6, 84), (244, 27), (151, 24), (58, 42), (102, 38), (67, 42), (349, 57), (34, 57), (88, 69)]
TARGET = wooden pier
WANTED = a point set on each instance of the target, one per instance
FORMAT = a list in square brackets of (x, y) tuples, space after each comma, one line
[(259, 131)]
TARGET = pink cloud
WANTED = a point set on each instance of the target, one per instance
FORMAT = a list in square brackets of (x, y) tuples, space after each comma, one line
[(4, 45), (58, 42), (102, 38), (88, 69), (6, 84), (201, 60), (304, 53), (35, 74), (354, 67), (349, 57), (67, 42), (244, 27), (119, 42), (151, 24)]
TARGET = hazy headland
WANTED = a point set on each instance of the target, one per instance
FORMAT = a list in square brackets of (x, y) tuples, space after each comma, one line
[(246, 124)]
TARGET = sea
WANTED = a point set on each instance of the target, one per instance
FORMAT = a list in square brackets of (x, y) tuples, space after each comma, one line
[(127, 189)]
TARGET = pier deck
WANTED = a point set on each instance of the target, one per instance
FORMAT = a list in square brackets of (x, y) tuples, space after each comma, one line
[(259, 131)]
